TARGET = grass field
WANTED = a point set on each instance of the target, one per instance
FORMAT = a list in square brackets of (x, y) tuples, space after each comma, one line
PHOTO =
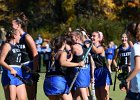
[(115, 95)]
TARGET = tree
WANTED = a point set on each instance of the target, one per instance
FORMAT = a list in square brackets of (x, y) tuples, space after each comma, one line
[(3, 12)]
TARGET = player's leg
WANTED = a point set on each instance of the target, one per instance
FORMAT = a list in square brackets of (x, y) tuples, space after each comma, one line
[(21, 92)]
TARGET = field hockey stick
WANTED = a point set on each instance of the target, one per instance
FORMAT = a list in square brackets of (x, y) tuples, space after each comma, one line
[(84, 58), (114, 86), (28, 70), (93, 91), (90, 94), (24, 81)]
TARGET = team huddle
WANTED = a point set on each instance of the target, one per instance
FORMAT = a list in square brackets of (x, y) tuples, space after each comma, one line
[(71, 52), (77, 62)]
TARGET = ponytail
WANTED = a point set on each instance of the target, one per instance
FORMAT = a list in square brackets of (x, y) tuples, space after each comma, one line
[(9, 34), (22, 20), (53, 50)]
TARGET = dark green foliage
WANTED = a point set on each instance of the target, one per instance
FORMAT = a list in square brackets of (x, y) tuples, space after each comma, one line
[(55, 16), (112, 30)]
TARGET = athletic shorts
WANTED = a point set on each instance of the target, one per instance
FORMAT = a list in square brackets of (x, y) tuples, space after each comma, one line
[(133, 96), (110, 57), (102, 76), (55, 85), (9, 79), (83, 78), (26, 75)]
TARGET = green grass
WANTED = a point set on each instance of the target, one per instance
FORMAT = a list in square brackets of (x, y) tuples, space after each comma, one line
[(115, 95)]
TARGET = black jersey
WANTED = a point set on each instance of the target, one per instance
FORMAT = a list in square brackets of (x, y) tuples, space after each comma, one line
[(14, 56), (25, 50), (99, 60), (56, 69), (124, 55), (78, 58)]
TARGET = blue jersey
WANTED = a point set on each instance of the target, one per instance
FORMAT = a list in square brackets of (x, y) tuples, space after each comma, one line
[(14, 56), (56, 81), (25, 50), (83, 78), (99, 60), (13, 59), (56, 69), (101, 73), (124, 55), (109, 53), (78, 58), (26, 56)]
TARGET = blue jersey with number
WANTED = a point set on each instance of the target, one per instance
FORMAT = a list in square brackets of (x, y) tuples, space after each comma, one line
[(14, 56), (124, 55), (83, 78), (25, 50), (56, 69), (13, 59)]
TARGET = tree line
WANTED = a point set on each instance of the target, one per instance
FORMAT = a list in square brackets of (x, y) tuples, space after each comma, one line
[(53, 17)]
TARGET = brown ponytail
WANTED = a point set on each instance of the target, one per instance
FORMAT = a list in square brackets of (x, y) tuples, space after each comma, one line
[(53, 50), (10, 34), (22, 20)]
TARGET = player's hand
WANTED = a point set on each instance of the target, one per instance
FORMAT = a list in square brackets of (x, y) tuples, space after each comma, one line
[(92, 80), (81, 64), (123, 85), (117, 68), (35, 77), (13, 72)]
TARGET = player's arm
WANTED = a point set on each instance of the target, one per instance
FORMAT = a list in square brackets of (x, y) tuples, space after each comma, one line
[(115, 58), (92, 68), (136, 63), (32, 46), (98, 50), (63, 61), (135, 70), (4, 51)]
